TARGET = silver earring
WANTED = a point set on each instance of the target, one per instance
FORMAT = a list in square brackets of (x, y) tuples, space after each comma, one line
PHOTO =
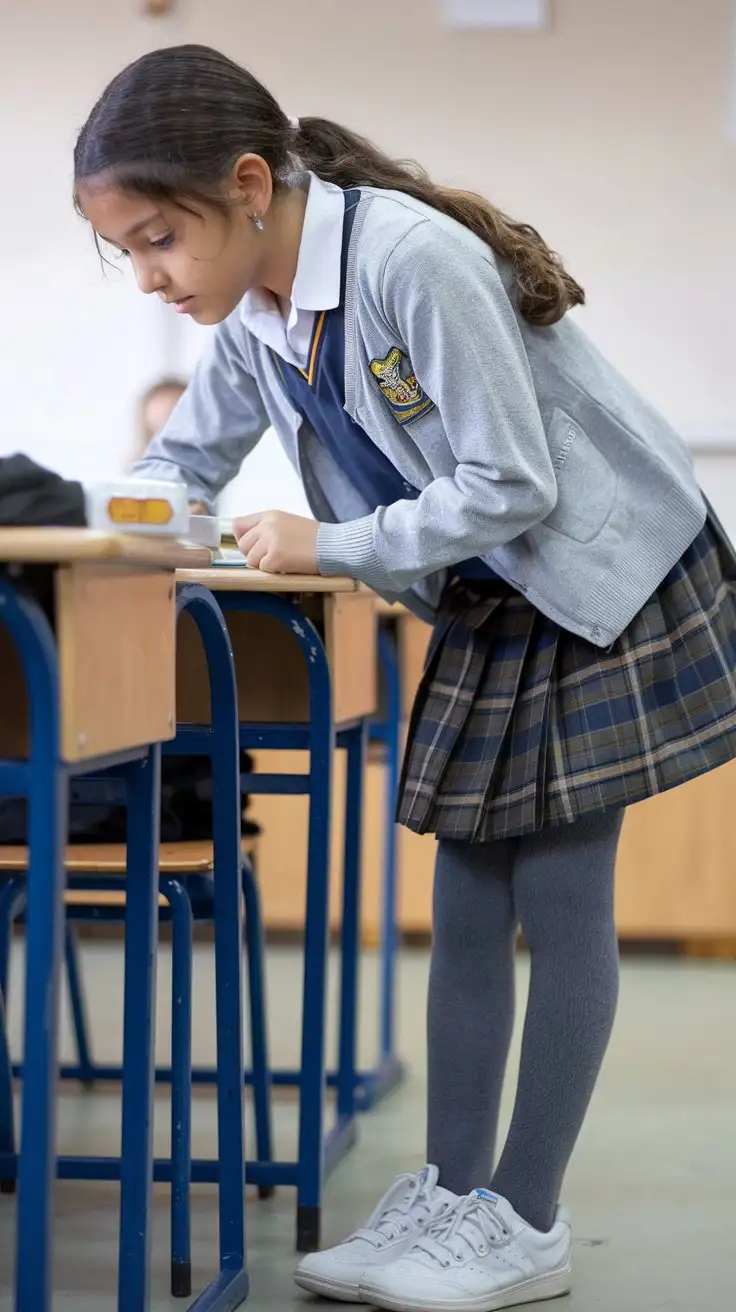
[(258, 222)]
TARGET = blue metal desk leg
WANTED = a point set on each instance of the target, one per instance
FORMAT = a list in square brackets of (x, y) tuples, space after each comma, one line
[(389, 661), (355, 741), (12, 902), (228, 917), (78, 1004), (141, 930), (232, 1286), (256, 961), (374, 1084), (7, 1116), (12, 898), (181, 1084), (312, 1149), (47, 794), (312, 1090), (44, 930)]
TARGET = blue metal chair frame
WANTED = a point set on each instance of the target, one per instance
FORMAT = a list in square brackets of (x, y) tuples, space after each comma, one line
[(7, 1111), (44, 780), (318, 1153), (373, 1084), (356, 1090), (190, 899), (370, 1086)]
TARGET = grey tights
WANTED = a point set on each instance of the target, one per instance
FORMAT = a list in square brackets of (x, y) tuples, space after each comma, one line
[(558, 885)]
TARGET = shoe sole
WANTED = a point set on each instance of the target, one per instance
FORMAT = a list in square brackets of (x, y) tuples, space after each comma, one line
[(326, 1288), (542, 1288)]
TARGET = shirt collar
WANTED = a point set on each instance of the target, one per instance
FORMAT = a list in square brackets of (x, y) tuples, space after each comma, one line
[(318, 271), (317, 280)]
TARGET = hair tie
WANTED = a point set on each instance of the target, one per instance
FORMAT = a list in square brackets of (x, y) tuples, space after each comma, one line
[(294, 123)]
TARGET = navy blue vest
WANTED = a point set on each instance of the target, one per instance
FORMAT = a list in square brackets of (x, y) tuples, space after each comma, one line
[(318, 394)]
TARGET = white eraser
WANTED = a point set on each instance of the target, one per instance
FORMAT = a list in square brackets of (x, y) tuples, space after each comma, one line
[(204, 530), (136, 505)]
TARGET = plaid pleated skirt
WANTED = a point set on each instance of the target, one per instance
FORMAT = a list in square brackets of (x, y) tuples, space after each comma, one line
[(519, 725)]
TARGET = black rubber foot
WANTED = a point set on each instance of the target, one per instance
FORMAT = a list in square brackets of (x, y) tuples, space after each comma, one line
[(266, 1191), (88, 1085), (307, 1229), (7, 1186), (181, 1279)]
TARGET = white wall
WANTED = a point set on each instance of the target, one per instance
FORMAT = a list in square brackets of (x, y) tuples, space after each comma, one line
[(609, 133)]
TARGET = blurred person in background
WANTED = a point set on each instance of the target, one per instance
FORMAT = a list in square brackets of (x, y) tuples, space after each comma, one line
[(154, 410), (467, 449)]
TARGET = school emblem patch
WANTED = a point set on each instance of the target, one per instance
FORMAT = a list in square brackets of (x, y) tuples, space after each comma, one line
[(399, 385)]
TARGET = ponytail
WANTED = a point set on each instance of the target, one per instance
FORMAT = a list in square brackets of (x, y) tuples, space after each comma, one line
[(173, 123), (545, 290)]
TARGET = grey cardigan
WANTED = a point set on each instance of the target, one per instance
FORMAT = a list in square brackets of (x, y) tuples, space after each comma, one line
[(527, 447)]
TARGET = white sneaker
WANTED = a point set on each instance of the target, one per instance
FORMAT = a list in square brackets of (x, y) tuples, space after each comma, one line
[(480, 1258), (412, 1203)]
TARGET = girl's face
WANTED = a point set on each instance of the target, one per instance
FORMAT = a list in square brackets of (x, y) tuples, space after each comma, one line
[(201, 264)]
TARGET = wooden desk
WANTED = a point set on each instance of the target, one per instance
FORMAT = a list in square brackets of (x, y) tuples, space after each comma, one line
[(273, 680), (87, 681), (232, 578), (114, 619), (65, 546)]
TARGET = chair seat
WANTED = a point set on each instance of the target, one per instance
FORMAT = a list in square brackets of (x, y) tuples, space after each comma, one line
[(190, 858), (102, 897)]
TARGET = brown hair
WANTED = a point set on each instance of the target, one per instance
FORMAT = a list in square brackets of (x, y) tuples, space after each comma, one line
[(172, 125)]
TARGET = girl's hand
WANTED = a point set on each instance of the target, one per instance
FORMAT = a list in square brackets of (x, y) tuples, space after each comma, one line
[(278, 543)]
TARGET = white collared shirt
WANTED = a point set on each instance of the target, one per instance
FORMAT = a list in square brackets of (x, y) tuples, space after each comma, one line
[(316, 284)]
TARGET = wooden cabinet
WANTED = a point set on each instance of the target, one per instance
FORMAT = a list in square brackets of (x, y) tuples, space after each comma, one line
[(676, 876)]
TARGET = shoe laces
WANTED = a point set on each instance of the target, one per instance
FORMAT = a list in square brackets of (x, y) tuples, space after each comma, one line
[(404, 1207), (471, 1230)]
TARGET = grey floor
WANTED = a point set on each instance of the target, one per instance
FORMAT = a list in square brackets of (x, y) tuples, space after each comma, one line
[(652, 1186)]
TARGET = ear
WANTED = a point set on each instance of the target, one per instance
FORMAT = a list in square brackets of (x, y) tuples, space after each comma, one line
[(251, 183)]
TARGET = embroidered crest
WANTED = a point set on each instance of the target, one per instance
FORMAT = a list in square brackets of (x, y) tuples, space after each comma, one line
[(404, 393)]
